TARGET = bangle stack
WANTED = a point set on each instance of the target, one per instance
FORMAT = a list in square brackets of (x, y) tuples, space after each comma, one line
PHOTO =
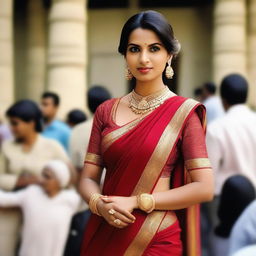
[(93, 203), (146, 202)]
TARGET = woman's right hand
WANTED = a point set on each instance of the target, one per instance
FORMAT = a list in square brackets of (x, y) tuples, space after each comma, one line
[(124, 216)]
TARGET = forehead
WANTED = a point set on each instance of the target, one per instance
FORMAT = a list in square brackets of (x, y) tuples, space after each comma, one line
[(142, 36)]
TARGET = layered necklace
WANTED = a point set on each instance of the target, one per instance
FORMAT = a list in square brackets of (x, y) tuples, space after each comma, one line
[(143, 104)]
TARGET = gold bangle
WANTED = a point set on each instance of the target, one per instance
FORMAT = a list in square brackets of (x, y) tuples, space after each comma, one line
[(146, 202), (93, 203)]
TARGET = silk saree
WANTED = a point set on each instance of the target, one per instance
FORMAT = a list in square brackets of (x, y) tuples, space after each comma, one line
[(134, 156)]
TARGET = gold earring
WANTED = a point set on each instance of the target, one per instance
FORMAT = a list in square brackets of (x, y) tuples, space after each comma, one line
[(128, 74), (169, 71)]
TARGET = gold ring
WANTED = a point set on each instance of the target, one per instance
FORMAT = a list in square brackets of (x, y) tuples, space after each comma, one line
[(111, 211), (117, 221)]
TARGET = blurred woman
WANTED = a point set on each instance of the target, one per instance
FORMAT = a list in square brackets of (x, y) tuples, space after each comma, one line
[(24, 158), (47, 211), (237, 193)]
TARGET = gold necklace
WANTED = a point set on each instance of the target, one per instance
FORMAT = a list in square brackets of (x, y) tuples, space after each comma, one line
[(143, 104)]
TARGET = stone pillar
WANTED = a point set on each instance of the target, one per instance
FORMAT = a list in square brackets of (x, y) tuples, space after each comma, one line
[(229, 42), (252, 52), (6, 59), (66, 64), (36, 49)]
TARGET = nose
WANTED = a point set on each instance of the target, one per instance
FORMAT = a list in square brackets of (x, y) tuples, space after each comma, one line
[(144, 58)]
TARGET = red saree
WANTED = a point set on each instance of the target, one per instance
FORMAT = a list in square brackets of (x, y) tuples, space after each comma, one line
[(134, 156)]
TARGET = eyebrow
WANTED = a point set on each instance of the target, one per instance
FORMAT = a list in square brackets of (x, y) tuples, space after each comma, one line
[(149, 45)]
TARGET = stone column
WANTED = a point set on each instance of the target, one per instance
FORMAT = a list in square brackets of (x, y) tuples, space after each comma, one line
[(66, 64), (229, 43), (36, 49), (6, 59), (252, 52)]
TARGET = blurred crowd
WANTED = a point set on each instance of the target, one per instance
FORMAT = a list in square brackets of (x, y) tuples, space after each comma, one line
[(228, 222), (41, 211)]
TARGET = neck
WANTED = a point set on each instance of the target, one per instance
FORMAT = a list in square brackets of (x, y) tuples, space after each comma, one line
[(30, 139), (53, 193), (149, 87), (48, 120)]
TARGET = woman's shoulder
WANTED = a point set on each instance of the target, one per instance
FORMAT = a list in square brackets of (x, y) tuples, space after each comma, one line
[(105, 108)]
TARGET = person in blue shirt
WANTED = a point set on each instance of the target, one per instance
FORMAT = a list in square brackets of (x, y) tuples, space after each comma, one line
[(54, 128)]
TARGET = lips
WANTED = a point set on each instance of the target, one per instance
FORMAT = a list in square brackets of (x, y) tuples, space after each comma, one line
[(144, 70)]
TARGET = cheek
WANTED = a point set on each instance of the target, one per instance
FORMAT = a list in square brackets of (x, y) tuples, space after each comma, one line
[(131, 60)]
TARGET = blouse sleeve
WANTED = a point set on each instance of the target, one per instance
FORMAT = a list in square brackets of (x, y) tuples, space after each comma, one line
[(93, 154), (194, 146)]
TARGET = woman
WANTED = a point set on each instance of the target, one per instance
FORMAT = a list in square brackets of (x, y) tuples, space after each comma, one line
[(236, 194), (144, 140), (47, 211), (24, 158)]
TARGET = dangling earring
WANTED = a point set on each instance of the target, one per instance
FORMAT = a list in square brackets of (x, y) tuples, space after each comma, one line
[(169, 71), (128, 74)]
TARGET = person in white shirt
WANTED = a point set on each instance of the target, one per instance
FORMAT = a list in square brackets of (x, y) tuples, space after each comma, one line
[(231, 140), (212, 102), (81, 133), (47, 211)]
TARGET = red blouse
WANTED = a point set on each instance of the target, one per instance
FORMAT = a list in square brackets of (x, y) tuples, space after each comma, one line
[(191, 145)]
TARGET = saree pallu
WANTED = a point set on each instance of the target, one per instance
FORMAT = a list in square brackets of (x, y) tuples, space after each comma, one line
[(134, 156)]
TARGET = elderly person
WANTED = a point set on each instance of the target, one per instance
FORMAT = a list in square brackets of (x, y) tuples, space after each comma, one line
[(47, 209)]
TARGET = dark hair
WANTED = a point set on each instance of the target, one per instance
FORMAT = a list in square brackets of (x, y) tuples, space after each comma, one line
[(198, 91), (234, 89), (97, 95), (154, 21), (210, 87), (76, 116), (54, 96), (27, 111), (237, 192)]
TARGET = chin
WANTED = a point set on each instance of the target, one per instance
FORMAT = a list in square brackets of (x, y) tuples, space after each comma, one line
[(145, 78)]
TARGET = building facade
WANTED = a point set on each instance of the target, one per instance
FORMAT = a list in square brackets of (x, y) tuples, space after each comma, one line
[(67, 46)]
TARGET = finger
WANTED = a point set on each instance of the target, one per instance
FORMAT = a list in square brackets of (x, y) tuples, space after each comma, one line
[(123, 218), (125, 212), (106, 200), (121, 225)]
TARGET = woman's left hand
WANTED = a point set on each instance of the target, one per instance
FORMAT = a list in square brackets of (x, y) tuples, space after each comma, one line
[(127, 203)]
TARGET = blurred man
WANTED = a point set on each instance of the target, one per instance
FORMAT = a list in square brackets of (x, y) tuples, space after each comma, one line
[(212, 102), (79, 140), (231, 140), (75, 117), (81, 133), (54, 128)]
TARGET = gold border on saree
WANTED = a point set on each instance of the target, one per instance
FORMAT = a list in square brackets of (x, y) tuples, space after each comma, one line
[(93, 158), (152, 172), (197, 163)]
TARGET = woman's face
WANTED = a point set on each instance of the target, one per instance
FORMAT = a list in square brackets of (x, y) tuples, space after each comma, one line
[(146, 56), (20, 129)]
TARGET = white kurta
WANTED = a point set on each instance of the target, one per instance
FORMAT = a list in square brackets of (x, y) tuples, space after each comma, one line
[(231, 145), (214, 108), (46, 220)]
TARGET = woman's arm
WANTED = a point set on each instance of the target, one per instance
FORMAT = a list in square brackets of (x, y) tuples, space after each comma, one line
[(89, 184), (201, 189)]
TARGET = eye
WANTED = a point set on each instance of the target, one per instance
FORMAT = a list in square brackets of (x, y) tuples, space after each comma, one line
[(134, 49), (154, 48)]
